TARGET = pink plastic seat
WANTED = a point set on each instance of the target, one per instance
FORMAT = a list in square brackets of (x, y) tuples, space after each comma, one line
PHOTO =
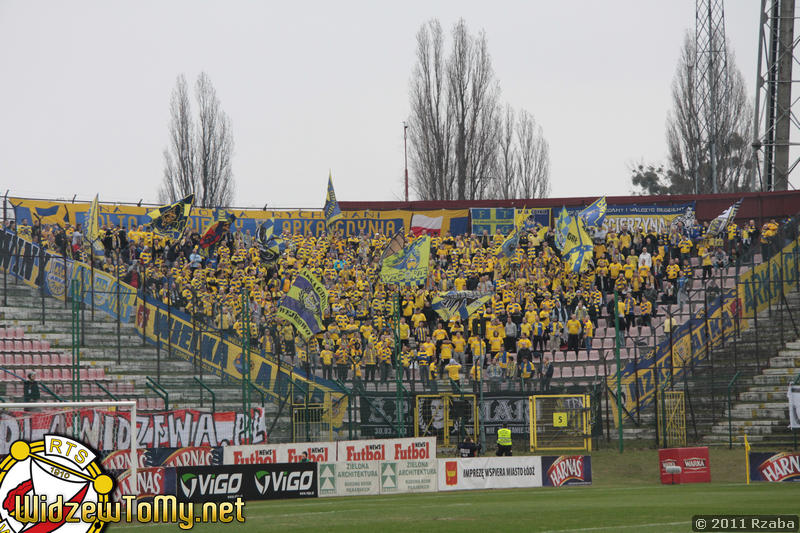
[(578, 372), (590, 371)]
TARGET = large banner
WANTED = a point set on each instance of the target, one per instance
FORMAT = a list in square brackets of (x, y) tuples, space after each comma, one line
[(492, 219), (689, 342), (111, 430), (148, 457), (250, 454), (505, 409), (249, 482), (793, 395), (775, 467), (761, 286), (24, 259), (224, 358), (101, 288), (379, 414), (649, 218), (150, 482), (490, 473), (352, 223)]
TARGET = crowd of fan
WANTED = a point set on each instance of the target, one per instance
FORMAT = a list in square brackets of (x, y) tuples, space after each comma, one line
[(537, 306)]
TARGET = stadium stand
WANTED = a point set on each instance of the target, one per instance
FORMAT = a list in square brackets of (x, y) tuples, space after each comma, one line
[(655, 287)]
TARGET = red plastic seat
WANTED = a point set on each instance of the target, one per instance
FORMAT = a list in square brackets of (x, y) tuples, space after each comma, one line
[(45, 346), (18, 346), (27, 359), (566, 372), (47, 374), (18, 360), (578, 372)]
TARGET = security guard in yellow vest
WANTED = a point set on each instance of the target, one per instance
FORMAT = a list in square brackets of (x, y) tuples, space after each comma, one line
[(504, 441)]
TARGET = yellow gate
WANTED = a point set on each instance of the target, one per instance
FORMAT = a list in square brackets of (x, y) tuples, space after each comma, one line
[(313, 423), (560, 422), (672, 418), (446, 417)]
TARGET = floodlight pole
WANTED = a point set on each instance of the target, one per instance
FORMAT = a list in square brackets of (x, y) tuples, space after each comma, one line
[(405, 153)]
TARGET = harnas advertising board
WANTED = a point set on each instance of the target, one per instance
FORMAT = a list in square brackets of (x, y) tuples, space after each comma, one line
[(249, 482)]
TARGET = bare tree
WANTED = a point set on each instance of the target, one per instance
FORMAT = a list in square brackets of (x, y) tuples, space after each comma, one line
[(522, 166), (179, 156), (431, 125), (733, 119), (473, 94), (534, 158), (507, 168), (198, 159), (464, 144), (214, 148)]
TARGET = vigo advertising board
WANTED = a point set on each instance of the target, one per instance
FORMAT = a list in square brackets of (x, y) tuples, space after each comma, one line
[(490, 473), (249, 482)]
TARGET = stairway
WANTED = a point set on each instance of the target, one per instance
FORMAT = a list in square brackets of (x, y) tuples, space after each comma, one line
[(125, 364)]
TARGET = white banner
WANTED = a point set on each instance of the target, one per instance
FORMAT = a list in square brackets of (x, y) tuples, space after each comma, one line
[(355, 478), (421, 448), (248, 454), (408, 476), (490, 473), (794, 407)]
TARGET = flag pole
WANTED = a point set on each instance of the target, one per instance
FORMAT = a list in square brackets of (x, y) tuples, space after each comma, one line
[(619, 371)]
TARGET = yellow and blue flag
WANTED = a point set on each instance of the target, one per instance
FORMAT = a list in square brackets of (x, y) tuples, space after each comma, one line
[(716, 226), (562, 223), (462, 304), (408, 266), (578, 247), (304, 304), (510, 244), (56, 214), (170, 220), (595, 214), (91, 228), (331, 209), (269, 246)]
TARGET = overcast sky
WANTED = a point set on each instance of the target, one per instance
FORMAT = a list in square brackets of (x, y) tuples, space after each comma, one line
[(312, 86)]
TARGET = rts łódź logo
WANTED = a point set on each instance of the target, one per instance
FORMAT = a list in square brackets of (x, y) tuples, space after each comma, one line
[(54, 484)]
